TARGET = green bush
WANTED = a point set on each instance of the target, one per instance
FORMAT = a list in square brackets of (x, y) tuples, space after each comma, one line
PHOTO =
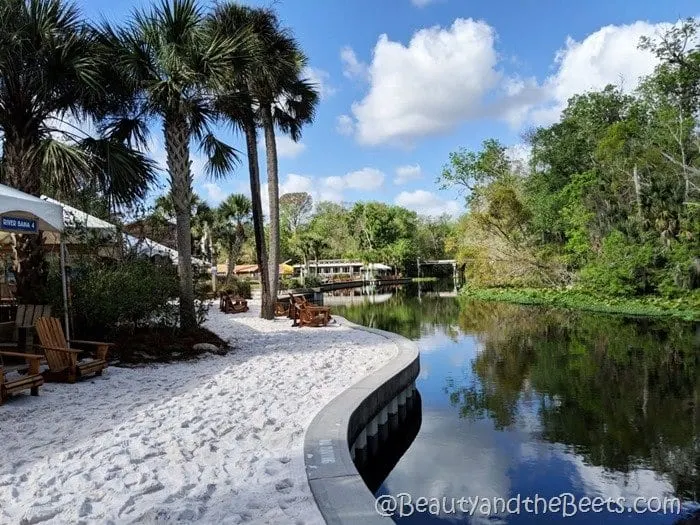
[(236, 286), (623, 267), (108, 295), (313, 281), (289, 283)]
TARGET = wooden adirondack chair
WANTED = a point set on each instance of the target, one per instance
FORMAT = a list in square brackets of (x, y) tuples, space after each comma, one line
[(26, 317), (307, 314), (314, 315), (30, 381), (232, 305), (282, 308), (62, 360)]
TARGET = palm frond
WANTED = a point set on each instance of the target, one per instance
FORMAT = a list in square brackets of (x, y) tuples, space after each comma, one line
[(124, 174), (222, 158), (63, 166)]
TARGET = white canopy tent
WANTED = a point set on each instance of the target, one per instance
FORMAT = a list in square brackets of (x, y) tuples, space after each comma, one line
[(25, 214), (75, 218)]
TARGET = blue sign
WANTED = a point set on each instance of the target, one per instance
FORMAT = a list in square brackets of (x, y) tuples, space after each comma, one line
[(18, 224)]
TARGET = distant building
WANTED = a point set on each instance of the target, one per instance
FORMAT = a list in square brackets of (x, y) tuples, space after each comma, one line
[(344, 268), (250, 271)]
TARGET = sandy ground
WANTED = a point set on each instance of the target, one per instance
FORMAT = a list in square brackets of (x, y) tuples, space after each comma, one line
[(218, 440)]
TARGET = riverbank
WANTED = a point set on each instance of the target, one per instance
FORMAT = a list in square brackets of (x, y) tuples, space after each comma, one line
[(216, 440), (687, 309)]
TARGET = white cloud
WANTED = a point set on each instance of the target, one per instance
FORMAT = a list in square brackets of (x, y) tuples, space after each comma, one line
[(429, 86), (366, 179), (344, 125), (296, 183), (427, 203), (446, 76), (352, 67), (215, 194), (293, 183), (607, 56), (407, 173), (321, 78), (287, 148)]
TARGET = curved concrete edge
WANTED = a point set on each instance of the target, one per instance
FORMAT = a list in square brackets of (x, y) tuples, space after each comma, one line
[(339, 491)]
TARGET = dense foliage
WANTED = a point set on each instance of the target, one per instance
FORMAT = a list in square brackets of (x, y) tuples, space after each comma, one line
[(107, 296), (366, 231), (610, 200)]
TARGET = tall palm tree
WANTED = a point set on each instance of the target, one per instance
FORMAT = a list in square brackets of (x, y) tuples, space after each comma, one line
[(53, 77), (271, 92), (239, 105), (233, 216), (170, 56), (289, 102)]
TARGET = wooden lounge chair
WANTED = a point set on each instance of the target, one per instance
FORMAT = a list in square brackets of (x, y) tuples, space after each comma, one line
[(314, 315), (232, 305), (282, 308), (63, 361), (30, 381), (307, 314), (25, 319)]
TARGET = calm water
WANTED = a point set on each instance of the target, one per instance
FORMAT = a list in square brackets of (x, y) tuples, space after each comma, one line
[(531, 401)]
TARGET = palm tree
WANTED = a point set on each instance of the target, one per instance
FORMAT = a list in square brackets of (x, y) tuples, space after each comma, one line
[(288, 102), (269, 93), (239, 105), (233, 216), (53, 77), (171, 57)]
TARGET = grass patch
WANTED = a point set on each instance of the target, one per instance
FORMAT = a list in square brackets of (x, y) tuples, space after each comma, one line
[(687, 308)]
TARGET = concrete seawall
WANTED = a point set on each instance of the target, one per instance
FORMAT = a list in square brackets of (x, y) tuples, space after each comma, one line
[(341, 494)]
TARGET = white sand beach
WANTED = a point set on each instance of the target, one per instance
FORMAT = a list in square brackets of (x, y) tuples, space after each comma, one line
[(217, 440)]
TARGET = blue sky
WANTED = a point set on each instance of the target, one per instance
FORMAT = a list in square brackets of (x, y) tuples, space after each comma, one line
[(405, 82)]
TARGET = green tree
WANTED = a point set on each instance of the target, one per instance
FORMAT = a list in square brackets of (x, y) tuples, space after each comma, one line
[(178, 64), (295, 210), (53, 78), (233, 217), (270, 93)]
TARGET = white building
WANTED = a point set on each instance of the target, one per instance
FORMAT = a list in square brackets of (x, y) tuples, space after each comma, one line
[(343, 268)]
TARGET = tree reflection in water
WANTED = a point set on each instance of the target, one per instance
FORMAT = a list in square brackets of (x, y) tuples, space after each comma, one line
[(621, 392)]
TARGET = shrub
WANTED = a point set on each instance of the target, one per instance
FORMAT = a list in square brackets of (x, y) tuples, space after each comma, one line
[(108, 295), (622, 268), (289, 283), (236, 286), (313, 281)]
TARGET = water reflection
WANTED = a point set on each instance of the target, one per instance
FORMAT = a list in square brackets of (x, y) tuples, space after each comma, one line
[(528, 400)]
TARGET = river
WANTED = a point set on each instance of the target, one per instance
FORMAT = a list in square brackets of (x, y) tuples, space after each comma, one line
[(527, 402)]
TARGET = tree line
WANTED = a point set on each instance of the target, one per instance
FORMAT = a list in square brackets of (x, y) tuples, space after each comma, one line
[(176, 65), (363, 231), (610, 198)]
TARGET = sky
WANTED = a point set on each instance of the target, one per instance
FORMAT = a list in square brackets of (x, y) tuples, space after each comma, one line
[(405, 82)]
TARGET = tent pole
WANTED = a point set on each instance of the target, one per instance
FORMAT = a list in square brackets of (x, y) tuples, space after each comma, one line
[(62, 249)]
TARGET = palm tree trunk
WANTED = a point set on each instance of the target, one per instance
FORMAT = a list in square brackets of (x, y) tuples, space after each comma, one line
[(273, 190), (251, 139), (177, 145), (230, 264), (23, 172)]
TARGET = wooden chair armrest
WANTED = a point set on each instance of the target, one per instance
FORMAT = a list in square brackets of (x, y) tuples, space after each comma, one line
[(95, 343), (67, 350), (19, 354)]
